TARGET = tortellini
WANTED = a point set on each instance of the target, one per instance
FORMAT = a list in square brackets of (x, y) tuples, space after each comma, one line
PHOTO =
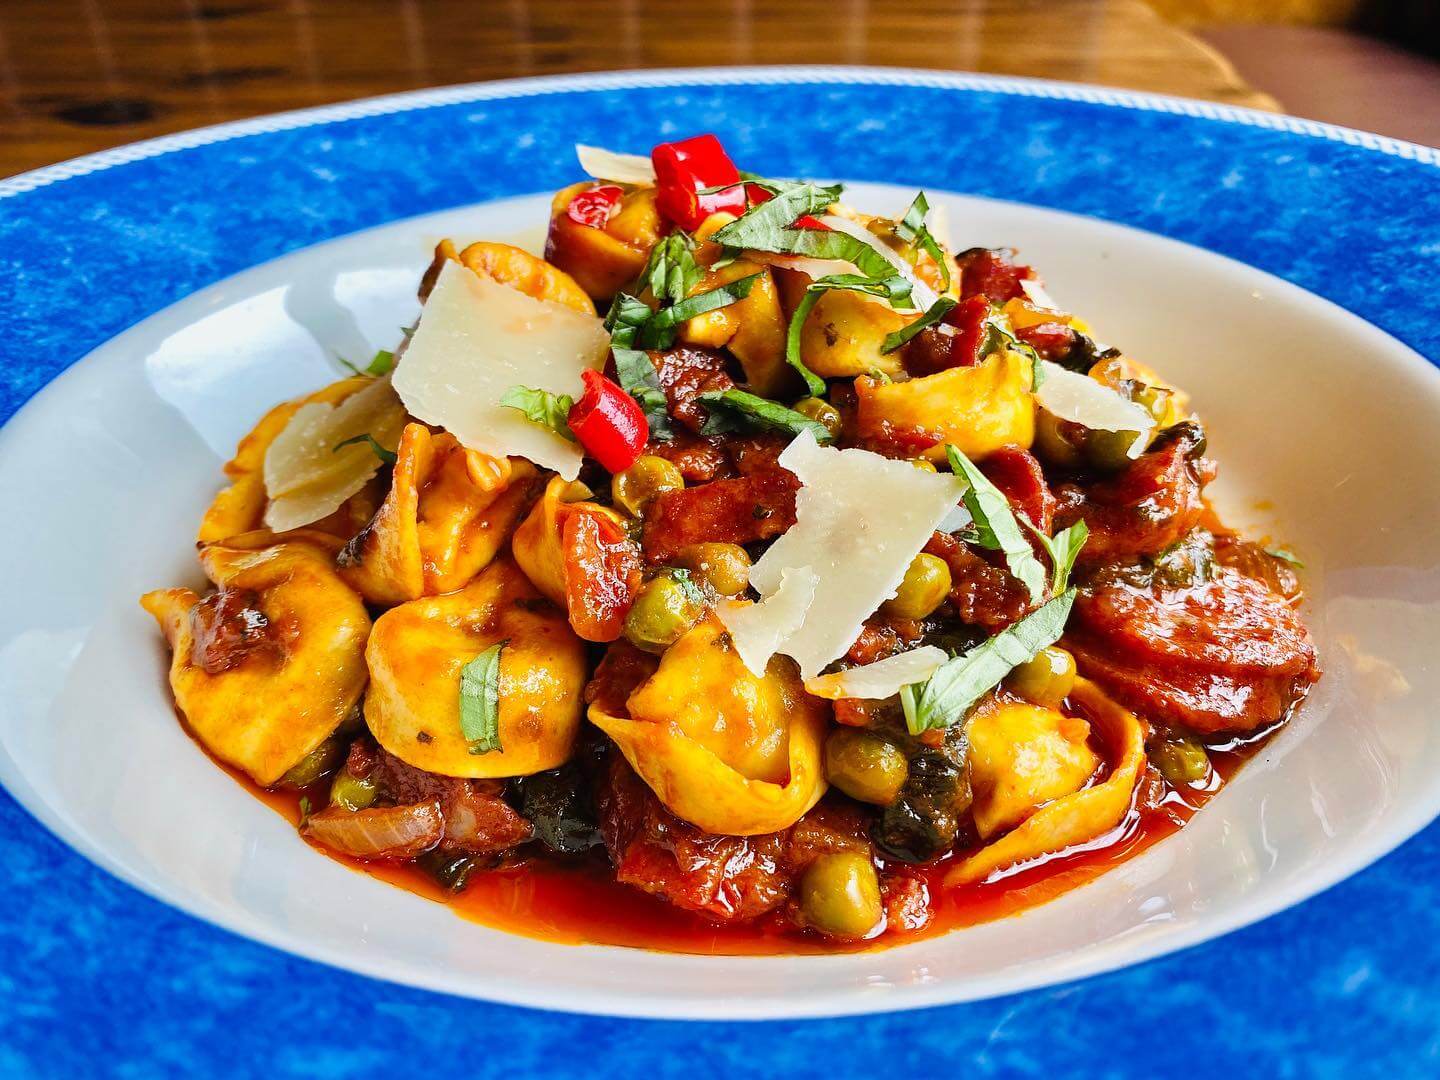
[(448, 513), (512, 266), (845, 335), (1073, 818), (753, 328), (723, 749), (240, 508), (979, 409), (266, 668), (416, 654)]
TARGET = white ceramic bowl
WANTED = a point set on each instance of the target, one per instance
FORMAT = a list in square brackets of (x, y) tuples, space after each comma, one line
[(1304, 402)]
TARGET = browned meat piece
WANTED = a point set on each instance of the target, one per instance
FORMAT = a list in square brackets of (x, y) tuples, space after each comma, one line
[(738, 511), (1225, 654), (686, 373), (620, 671), (1147, 506), (983, 594), (1252, 560), (1019, 477), (477, 819), (699, 459), (992, 273)]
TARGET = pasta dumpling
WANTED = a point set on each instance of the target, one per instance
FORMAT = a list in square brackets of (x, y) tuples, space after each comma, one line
[(1076, 817), (268, 666), (416, 654), (448, 512), (724, 749)]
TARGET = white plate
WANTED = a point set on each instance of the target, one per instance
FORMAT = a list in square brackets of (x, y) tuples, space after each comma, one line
[(118, 457)]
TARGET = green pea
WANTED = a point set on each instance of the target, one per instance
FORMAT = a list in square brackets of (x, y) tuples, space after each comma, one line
[(1053, 443), (352, 792), (1181, 761), (1046, 679), (316, 765), (922, 590), (724, 567), (865, 766), (633, 489), (1109, 451), (840, 895), (822, 412), (665, 608)]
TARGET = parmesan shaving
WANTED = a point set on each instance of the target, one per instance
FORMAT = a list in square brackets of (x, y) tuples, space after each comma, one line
[(476, 339), (622, 168), (1036, 294), (306, 477), (922, 296), (860, 520), (759, 629), (1068, 395), (882, 679)]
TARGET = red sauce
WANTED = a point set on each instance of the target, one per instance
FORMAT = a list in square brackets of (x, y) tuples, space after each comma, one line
[(580, 903)]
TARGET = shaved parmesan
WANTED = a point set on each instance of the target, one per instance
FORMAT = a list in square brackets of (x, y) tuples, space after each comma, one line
[(306, 477), (810, 267), (1036, 294), (859, 520), (882, 679), (958, 518), (608, 165), (759, 629), (478, 338), (1068, 395), (922, 296)]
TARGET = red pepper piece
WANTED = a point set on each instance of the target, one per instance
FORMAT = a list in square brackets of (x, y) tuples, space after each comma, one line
[(602, 573), (608, 423), (684, 169), (808, 222), (594, 208), (991, 272)]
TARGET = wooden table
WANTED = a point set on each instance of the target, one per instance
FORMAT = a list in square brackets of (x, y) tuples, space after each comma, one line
[(81, 75)]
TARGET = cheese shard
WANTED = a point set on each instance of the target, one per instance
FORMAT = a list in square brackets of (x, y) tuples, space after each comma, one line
[(602, 164), (1068, 395), (309, 473), (475, 340), (879, 680), (859, 520), (759, 630)]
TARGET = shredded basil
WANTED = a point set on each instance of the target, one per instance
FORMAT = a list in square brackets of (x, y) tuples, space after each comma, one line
[(913, 230), (633, 367), (996, 525), (382, 364), (659, 330), (672, 271), (737, 409), (480, 700), (938, 311), (542, 407), (960, 682), (1062, 548), (387, 456)]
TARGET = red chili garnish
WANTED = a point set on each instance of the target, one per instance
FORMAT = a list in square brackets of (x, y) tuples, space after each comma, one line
[(594, 208), (608, 423), (808, 222), (684, 169), (758, 194)]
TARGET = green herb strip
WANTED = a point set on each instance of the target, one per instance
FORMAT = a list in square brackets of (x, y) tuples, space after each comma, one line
[(731, 410), (541, 407), (913, 230), (996, 525), (938, 311), (480, 701), (387, 456)]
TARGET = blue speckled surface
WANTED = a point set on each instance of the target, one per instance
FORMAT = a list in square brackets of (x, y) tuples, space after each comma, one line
[(95, 977)]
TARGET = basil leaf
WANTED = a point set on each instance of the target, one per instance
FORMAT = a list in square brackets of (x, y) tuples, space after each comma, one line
[(996, 524), (1285, 555), (912, 229), (938, 311), (960, 682), (672, 271), (480, 700), (1062, 548), (542, 407), (740, 408), (763, 224), (382, 364), (387, 456), (659, 331)]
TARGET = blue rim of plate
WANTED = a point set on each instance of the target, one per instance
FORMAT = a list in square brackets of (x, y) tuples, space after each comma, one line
[(1348, 215)]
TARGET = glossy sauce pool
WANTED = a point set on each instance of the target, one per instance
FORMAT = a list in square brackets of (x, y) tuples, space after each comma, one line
[(579, 902)]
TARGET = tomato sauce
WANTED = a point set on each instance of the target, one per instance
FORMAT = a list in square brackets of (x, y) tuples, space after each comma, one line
[(579, 902)]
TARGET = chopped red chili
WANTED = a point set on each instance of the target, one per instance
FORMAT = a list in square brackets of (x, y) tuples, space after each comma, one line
[(595, 208), (686, 168), (608, 423)]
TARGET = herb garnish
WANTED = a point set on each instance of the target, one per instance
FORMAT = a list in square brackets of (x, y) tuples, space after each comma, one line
[(658, 332), (1285, 555), (960, 682), (542, 407), (996, 525), (480, 701), (633, 367), (387, 456), (887, 288), (938, 311), (913, 230), (739, 409), (1062, 548)]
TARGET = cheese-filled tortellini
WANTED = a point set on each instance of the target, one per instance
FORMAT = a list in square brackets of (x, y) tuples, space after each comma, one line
[(723, 749), (977, 409), (268, 666), (845, 334), (1056, 823), (240, 508), (752, 328), (416, 654), (448, 512)]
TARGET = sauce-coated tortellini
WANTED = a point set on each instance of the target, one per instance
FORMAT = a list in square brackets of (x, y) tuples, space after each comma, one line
[(978, 409), (268, 666), (240, 508), (512, 266), (607, 259), (416, 654), (723, 749), (844, 335), (753, 328), (448, 513), (1070, 819)]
